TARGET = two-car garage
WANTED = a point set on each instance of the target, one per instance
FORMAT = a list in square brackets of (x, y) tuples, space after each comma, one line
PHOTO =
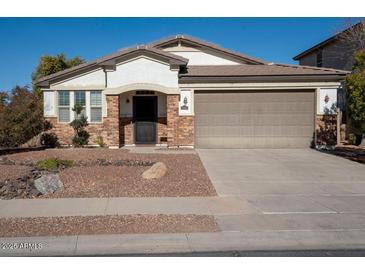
[(254, 119)]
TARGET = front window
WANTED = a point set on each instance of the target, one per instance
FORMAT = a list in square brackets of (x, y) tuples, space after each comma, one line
[(95, 106), (64, 106), (91, 102), (80, 99)]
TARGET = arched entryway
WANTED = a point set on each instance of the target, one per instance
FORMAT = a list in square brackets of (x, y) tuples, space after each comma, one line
[(142, 113)]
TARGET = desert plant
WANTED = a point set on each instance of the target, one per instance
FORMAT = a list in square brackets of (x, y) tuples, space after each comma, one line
[(49, 140), (100, 141), (81, 136), (53, 164)]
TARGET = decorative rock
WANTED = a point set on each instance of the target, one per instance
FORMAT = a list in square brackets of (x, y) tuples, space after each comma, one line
[(48, 183), (5, 161), (156, 171)]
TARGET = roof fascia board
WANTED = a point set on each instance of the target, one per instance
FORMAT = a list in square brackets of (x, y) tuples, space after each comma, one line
[(266, 85)]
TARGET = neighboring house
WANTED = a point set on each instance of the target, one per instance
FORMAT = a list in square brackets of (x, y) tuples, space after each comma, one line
[(182, 91), (335, 52)]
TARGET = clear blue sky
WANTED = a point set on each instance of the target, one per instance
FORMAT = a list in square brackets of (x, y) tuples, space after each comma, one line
[(24, 40)]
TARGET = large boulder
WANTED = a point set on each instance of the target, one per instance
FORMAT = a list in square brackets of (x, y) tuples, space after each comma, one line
[(48, 183), (156, 171)]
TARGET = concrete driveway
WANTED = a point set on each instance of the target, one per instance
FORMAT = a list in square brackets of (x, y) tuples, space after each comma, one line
[(294, 190)]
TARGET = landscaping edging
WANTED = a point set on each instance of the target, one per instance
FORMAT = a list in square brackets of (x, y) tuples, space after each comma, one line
[(12, 150)]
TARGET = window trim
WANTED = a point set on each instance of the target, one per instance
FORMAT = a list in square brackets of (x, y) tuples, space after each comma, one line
[(88, 106), (96, 106)]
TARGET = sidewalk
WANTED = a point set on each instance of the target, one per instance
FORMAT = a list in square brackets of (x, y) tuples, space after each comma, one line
[(144, 244), (123, 206)]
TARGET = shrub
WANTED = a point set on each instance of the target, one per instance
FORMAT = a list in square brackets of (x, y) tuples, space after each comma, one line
[(355, 84), (100, 141), (53, 164), (352, 139), (81, 136), (50, 140), (21, 117)]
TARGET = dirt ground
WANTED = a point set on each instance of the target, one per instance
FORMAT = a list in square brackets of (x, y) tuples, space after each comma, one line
[(124, 224)]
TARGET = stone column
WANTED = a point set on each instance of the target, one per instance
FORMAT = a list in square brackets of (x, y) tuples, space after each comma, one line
[(172, 109), (111, 122)]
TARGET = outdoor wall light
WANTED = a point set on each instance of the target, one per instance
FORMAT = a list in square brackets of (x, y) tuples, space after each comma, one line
[(127, 101)]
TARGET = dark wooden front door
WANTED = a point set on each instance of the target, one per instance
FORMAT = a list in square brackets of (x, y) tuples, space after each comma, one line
[(145, 118)]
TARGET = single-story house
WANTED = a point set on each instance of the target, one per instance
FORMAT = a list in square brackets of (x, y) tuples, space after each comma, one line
[(182, 91)]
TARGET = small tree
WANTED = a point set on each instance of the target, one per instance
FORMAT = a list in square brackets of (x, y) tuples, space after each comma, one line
[(354, 36), (21, 117), (81, 136), (49, 64), (355, 83)]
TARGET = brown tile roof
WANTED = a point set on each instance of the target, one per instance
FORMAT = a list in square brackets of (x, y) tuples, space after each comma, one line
[(257, 70), (165, 41)]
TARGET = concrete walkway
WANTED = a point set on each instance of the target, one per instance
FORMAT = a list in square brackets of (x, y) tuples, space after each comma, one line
[(122, 206), (158, 150), (186, 243)]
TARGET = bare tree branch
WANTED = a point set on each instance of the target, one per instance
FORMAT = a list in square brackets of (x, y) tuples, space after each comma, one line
[(354, 36)]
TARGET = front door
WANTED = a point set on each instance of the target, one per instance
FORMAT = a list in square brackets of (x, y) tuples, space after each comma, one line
[(145, 118)]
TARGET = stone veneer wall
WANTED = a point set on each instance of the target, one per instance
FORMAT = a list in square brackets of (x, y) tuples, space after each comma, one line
[(126, 131), (162, 130), (109, 129), (180, 129), (326, 130)]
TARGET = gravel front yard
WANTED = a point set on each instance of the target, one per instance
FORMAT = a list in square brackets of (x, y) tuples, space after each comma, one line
[(186, 175), (125, 224)]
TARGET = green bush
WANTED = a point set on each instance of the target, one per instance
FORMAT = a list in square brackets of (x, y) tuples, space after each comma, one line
[(50, 140), (53, 164), (81, 136), (352, 139), (355, 95), (100, 141)]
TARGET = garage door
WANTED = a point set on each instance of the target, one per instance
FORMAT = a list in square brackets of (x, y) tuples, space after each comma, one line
[(254, 119)]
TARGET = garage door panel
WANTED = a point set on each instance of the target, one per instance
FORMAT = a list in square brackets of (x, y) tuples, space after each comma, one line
[(254, 119)]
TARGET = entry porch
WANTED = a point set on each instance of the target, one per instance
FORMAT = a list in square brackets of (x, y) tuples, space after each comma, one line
[(147, 117)]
